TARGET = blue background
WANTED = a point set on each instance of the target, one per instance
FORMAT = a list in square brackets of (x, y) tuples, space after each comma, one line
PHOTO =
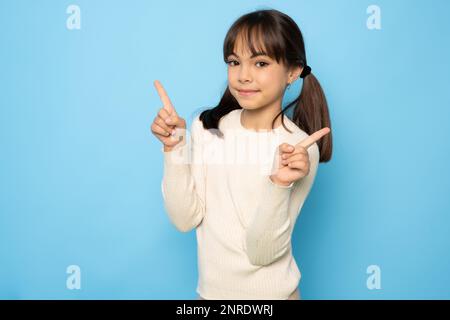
[(80, 174)]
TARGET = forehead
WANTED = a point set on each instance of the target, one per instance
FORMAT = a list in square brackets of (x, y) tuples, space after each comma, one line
[(242, 45)]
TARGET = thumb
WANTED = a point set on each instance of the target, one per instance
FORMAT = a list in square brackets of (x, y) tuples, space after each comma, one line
[(282, 148), (175, 120), (285, 148)]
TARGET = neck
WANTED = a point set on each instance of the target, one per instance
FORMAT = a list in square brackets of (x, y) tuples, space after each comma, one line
[(261, 118)]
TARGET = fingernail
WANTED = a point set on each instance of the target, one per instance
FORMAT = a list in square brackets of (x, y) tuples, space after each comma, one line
[(167, 120)]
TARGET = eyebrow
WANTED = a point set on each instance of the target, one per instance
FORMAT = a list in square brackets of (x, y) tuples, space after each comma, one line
[(257, 54)]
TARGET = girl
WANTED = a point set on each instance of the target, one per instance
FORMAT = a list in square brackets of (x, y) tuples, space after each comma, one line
[(246, 170)]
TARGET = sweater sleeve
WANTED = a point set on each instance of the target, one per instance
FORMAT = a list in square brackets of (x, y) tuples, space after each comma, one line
[(268, 235), (183, 183)]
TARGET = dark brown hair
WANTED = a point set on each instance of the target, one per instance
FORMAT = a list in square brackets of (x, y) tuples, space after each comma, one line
[(283, 41)]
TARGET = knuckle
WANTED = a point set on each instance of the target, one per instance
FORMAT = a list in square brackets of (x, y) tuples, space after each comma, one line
[(162, 113), (161, 123)]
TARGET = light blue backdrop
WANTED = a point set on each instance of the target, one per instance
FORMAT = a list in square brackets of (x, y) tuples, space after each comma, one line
[(80, 174)]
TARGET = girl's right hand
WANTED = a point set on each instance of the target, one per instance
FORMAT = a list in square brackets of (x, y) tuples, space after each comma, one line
[(167, 126)]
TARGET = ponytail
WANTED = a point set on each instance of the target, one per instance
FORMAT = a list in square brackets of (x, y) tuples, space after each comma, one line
[(311, 114)]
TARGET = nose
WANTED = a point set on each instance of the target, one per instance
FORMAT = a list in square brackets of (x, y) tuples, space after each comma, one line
[(244, 74)]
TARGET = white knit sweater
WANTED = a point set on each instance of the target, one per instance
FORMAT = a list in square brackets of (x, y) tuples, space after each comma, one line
[(243, 220)]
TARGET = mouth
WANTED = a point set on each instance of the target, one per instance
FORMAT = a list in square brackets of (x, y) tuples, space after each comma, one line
[(247, 93)]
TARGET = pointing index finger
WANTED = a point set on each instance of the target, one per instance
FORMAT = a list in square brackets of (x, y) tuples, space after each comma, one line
[(316, 136), (163, 96)]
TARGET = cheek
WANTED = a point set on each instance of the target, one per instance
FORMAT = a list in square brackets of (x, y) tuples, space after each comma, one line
[(232, 75), (269, 80), (231, 80)]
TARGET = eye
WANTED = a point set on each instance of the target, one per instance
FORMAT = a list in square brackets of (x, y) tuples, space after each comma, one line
[(265, 63), (230, 61)]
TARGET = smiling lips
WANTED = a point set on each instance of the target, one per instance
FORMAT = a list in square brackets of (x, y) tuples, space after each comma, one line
[(247, 93)]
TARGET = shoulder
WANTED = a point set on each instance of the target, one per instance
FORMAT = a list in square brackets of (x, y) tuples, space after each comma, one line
[(198, 131), (230, 120), (196, 124), (225, 121)]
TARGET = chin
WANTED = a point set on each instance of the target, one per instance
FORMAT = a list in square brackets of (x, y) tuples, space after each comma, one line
[(245, 105)]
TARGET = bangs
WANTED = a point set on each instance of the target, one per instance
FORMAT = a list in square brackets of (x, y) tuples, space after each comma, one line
[(258, 37)]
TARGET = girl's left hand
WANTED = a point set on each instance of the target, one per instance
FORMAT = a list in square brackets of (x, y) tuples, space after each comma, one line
[(293, 162)]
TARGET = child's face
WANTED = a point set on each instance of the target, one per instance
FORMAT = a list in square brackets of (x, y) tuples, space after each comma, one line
[(259, 73)]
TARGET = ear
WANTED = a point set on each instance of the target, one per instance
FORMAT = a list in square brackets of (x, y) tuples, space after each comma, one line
[(294, 73)]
